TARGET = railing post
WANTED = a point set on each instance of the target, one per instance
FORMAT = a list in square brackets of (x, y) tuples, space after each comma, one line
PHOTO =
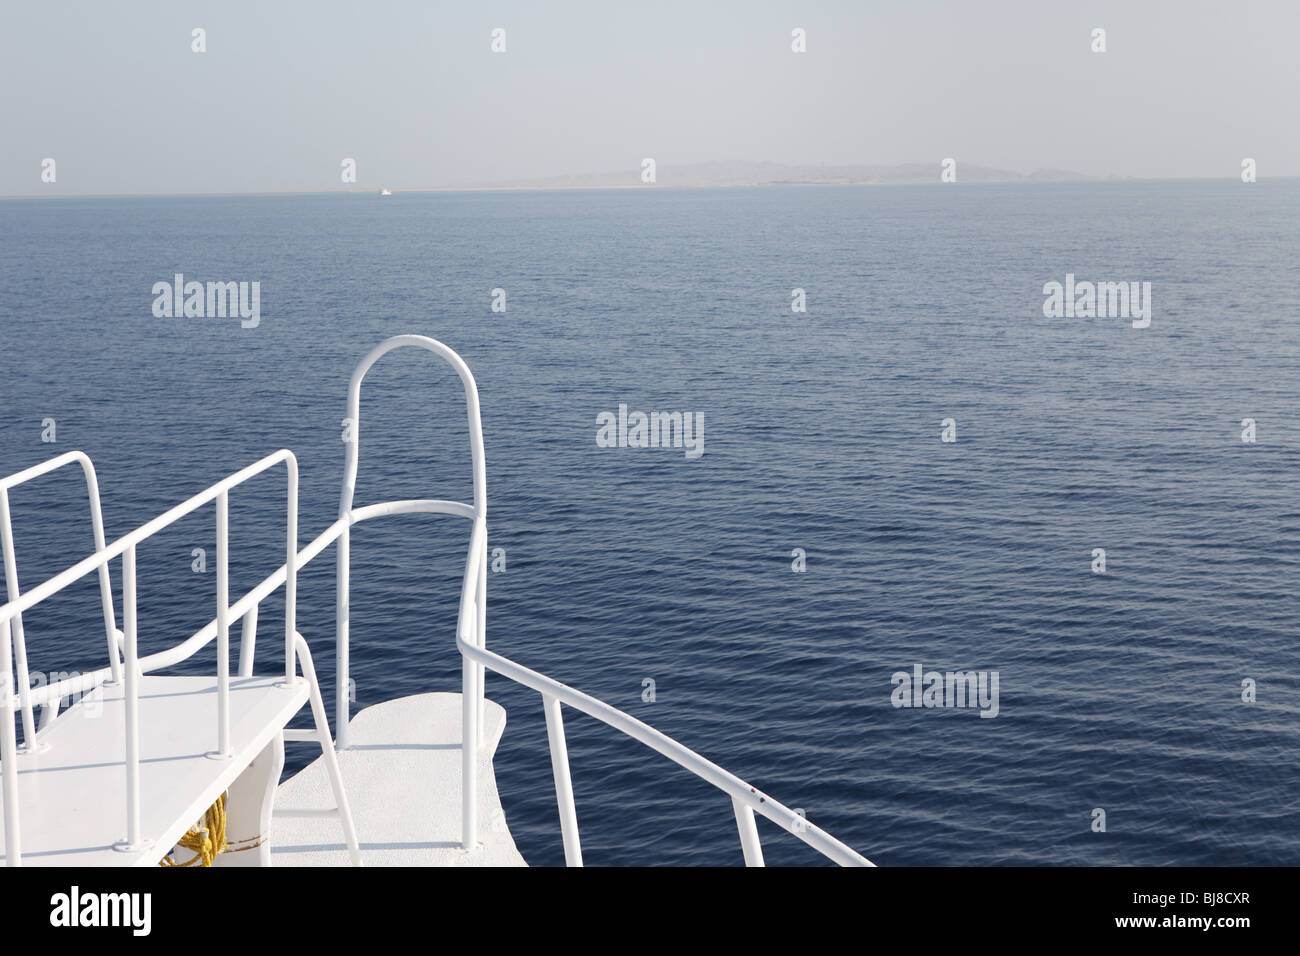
[(131, 700), (342, 712), (223, 625), (748, 833), (480, 620), (248, 642), (9, 751), (563, 782), (18, 641), (291, 573), (469, 755)]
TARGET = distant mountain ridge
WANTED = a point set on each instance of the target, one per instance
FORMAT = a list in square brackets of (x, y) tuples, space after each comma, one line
[(743, 173)]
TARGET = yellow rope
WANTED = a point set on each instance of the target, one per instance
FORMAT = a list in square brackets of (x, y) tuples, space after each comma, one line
[(206, 839)]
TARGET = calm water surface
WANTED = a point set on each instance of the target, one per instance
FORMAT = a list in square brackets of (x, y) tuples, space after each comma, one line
[(1119, 691)]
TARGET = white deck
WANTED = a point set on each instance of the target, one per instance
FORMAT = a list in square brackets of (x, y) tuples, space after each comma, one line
[(401, 773), (74, 809)]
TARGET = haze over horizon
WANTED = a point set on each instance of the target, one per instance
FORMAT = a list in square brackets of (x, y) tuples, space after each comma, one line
[(417, 97)]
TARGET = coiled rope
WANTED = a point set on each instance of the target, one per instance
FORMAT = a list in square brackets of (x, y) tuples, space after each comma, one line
[(206, 839)]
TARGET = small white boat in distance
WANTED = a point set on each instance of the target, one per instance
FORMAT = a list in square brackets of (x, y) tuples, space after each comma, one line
[(181, 770), (385, 192)]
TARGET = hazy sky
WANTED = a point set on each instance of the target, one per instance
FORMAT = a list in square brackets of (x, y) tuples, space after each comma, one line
[(412, 91)]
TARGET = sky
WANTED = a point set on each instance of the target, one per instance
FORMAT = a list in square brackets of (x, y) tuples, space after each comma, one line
[(412, 91)]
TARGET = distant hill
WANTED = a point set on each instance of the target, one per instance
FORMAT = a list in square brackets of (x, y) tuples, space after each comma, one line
[(741, 173)]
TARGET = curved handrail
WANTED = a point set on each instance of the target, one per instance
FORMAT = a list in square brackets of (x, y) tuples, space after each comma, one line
[(471, 640), (11, 572), (342, 662), (352, 453)]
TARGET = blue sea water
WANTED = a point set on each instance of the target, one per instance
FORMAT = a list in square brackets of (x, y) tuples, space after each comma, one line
[(1120, 691)]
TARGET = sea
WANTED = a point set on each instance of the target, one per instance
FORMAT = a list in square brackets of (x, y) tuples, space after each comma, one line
[(920, 469)]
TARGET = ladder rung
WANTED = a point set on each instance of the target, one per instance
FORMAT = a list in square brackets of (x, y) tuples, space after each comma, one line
[(293, 735), (297, 812)]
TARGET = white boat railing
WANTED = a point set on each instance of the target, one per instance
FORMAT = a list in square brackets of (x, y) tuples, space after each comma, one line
[(476, 658), (14, 591), (470, 638), (131, 667), (745, 800)]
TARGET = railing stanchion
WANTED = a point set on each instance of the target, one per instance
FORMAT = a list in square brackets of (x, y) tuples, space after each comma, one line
[(342, 586), (469, 756), (223, 624), (9, 751), (480, 619), (748, 833), (563, 781), (291, 573), (248, 642), (131, 699), (19, 642)]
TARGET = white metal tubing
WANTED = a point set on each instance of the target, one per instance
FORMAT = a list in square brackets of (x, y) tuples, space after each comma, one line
[(19, 641), (808, 832), (471, 688), (131, 677), (749, 844), (97, 526), (472, 412), (147, 530), (101, 558), (223, 624), (480, 619), (469, 756), (248, 642), (321, 717), (204, 635), (474, 656), (472, 671), (9, 751), (436, 506), (727, 782), (105, 587), (346, 513), (48, 713), (342, 597), (291, 571), (563, 782)]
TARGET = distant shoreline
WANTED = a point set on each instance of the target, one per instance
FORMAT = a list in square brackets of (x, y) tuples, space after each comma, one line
[(588, 187)]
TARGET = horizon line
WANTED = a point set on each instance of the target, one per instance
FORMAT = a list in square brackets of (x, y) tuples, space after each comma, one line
[(374, 190)]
